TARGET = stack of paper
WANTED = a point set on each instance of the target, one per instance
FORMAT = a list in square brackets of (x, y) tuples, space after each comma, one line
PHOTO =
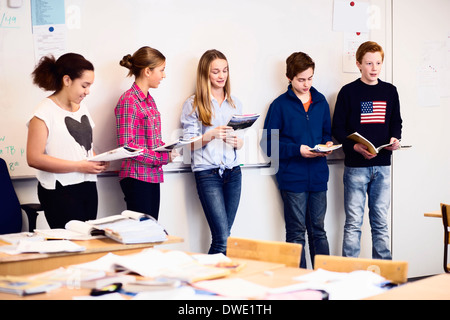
[(23, 286)]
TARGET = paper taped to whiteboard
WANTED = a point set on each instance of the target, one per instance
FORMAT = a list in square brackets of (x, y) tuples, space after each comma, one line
[(351, 16)]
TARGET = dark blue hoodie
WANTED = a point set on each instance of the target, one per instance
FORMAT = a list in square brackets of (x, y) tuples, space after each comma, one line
[(298, 127)]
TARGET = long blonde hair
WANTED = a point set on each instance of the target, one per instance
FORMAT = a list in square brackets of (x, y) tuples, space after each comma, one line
[(202, 98)]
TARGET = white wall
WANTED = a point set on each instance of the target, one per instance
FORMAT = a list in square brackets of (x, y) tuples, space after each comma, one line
[(422, 174)]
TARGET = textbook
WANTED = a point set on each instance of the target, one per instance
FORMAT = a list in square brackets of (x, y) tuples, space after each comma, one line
[(179, 143), (73, 230), (23, 286), (127, 227), (323, 148), (131, 227), (153, 263), (371, 148), (239, 122), (117, 154)]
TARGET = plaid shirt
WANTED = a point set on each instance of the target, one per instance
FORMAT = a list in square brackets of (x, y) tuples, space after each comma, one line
[(138, 124)]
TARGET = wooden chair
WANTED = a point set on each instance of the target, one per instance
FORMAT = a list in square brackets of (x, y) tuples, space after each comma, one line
[(261, 250), (394, 271), (445, 209)]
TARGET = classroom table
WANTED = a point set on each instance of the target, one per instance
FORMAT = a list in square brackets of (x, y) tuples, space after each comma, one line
[(253, 270), (432, 288), (275, 275), (32, 263)]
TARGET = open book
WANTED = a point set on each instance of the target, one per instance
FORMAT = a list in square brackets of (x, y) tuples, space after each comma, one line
[(239, 122), (371, 148), (322, 148), (73, 230), (176, 144), (127, 227), (153, 263), (131, 227), (117, 154)]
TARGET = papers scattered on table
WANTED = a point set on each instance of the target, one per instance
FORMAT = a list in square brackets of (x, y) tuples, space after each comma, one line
[(53, 246), (340, 285), (15, 238), (153, 263), (319, 284), (39, 245), (235, 288), (70, 277)]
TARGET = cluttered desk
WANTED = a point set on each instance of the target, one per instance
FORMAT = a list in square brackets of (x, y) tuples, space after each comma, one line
[(35, 262), (111, 260), (153, 274)]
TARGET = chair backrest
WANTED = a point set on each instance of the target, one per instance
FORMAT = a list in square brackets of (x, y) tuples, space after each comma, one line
[(445, 210), (10, 212), (394, 271), (262, 250)]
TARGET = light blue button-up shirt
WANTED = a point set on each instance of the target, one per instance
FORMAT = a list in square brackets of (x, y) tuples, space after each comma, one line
[(216, 154)]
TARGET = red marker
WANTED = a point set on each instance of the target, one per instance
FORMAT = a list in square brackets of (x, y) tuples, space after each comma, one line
[(352, 3)]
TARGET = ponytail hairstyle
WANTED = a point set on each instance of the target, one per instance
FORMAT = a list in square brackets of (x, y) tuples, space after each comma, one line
[(202, 99), (49, 72), (145, 57)]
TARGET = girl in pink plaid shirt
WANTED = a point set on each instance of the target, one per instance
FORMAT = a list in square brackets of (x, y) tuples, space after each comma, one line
[(138, 124)]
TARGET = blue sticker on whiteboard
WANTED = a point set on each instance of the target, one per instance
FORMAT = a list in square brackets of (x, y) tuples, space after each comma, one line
[(51, 29)]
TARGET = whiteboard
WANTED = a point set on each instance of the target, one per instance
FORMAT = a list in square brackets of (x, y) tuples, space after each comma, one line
[(256, 36)]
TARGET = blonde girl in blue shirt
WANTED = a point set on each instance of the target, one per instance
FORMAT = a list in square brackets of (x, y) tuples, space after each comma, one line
[(214, 159)]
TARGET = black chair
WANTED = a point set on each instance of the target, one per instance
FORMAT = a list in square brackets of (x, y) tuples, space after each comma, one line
[(10, 210)]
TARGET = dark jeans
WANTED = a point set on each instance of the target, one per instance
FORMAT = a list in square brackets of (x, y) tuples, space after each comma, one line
[(141, 196), (219, 196), (306, 211), (73, 202)]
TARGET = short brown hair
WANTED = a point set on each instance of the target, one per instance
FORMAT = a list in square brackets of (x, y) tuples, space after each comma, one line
[(297, 63), (368, 46)]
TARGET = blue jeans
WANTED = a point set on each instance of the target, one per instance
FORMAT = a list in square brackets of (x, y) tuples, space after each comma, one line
[(306, 212), (219, 196), (376, 183)]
